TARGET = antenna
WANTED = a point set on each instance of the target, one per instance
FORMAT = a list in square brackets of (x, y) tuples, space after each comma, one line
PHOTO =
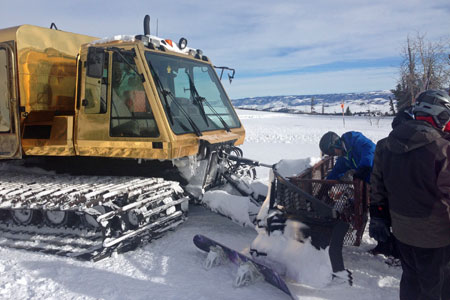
[(157, 27)]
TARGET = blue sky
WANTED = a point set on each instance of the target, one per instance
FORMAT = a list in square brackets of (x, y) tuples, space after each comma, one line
[(277, 47)]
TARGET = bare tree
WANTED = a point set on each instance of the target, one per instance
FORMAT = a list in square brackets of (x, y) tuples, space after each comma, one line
[(425, 65), (411, 66), (435, 72)]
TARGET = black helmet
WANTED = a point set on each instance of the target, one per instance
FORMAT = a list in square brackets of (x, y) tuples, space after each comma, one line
[(328, 142), (434, 103)]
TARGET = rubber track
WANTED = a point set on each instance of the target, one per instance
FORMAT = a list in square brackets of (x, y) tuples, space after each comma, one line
[(156, 202), (94, 252)]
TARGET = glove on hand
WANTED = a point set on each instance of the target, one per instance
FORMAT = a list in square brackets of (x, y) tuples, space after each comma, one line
[(362, 172), (379, 229)]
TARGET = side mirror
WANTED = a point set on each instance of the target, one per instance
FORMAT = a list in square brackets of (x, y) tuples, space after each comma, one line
[(95, 62), (230, 72)]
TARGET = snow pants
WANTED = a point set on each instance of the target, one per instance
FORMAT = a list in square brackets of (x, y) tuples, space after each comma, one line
[(425, 272)]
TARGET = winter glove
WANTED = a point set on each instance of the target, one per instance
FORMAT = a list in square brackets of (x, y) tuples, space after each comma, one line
[(362, 173), (379, 229)]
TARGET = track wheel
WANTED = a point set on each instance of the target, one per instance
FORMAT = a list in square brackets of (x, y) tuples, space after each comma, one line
[(26, 216), (133, 219), (90, 220), (55, 218)]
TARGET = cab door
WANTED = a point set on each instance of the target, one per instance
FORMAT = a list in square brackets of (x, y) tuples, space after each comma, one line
[(92, 121), (9, 113), (115, 117)]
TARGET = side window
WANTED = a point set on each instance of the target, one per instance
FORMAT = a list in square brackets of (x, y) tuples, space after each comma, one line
[(131, 114), (5, 114), (96, 92)]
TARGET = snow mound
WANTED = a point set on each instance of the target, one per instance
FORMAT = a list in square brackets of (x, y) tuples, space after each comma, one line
[(293, 167), (235, 207)]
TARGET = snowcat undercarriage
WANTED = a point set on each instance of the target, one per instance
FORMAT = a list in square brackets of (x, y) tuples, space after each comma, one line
[(86, 217), (91, 216)]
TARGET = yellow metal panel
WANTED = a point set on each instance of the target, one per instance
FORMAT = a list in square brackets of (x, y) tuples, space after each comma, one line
[(122, 149), (40, 149), (47, 67), (62, 129), (219, 138), (8, 34), (60, 142)]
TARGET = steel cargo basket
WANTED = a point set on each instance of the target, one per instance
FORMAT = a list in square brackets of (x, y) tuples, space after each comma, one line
[(308, 195)]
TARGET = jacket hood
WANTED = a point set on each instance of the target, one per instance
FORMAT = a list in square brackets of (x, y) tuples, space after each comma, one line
[(411, 135)]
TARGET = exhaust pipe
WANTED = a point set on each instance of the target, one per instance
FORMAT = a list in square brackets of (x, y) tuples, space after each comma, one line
[(147, 25)]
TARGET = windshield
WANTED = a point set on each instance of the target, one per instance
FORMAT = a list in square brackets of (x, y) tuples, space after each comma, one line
[(191, 93)]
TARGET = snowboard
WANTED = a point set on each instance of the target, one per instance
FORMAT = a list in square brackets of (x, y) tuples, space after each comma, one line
[(204, 243)]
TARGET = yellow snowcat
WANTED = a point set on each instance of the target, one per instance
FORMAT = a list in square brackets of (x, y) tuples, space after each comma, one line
[(132, 127)]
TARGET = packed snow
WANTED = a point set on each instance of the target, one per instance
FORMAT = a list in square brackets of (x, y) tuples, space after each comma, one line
[(171, 267)]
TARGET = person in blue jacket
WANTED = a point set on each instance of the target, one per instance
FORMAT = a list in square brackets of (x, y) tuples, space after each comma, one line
[(355, 152)]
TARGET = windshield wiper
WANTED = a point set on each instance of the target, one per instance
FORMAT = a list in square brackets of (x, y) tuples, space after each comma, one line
[(225, 125), (196, 98), (166, 93), (194, 126), (199, 100)]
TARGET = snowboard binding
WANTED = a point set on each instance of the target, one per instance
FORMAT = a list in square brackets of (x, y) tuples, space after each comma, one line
[(216, 257), (247, 274)]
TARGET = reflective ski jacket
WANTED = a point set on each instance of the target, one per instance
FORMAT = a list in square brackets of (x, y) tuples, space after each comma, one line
[(412, 174), (359, 152)]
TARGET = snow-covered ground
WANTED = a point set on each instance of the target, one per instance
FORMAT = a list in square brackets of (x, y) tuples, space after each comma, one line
[(171, 267)]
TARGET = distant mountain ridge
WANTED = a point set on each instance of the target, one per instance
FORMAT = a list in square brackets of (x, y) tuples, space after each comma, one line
[(330, 103)]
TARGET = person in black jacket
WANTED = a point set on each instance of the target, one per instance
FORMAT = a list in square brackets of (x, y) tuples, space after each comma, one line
[(379, 206), (412, 176)]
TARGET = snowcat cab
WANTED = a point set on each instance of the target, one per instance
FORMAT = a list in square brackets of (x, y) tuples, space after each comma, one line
[(150, 100)]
